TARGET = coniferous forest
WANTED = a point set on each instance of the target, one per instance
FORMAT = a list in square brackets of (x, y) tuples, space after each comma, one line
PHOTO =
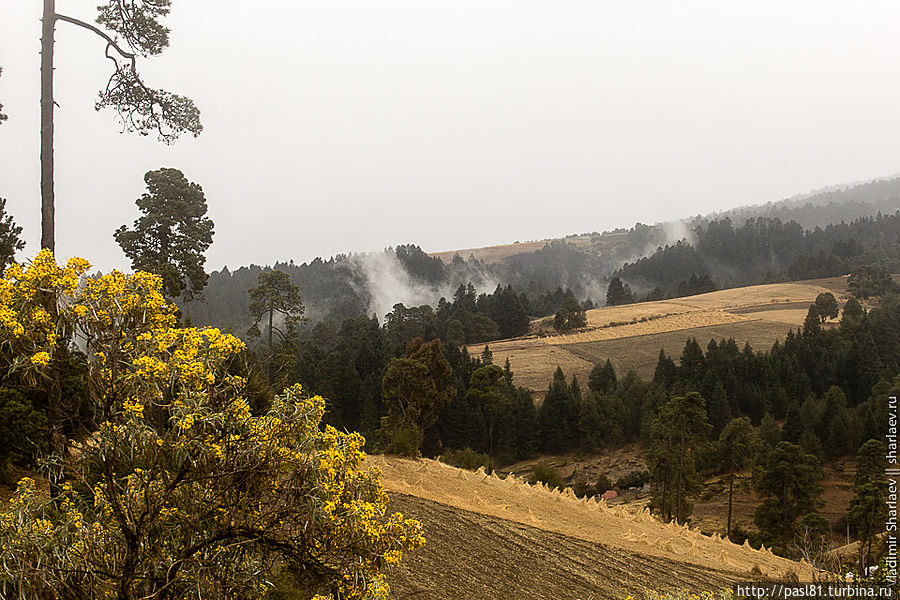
[(170, 433)]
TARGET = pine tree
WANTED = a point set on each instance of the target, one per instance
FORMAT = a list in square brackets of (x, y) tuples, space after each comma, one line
[(557, 416), (827, 305), (787, 480), (679, 433), (136, 32), (618, 293), (173, 234), (487, 389), (691, 364), (793, 425), (737, 445), (275, 296), (570, 314), (853, 312), (415, 388), (666, 372), (487, 357), (769, 432), (868, 508), (603, 378)]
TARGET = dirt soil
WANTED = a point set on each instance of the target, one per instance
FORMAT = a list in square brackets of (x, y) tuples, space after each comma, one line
[(619, 529), (710, 511), (470, 555)]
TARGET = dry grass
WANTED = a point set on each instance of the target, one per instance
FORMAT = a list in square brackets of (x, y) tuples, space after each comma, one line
[(663, 324), (626, 529), (492, 254), (631, 336), (470, 555), (640, 354), (713, 308)]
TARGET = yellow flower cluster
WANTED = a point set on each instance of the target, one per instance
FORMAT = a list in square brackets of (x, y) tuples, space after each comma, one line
[(30, 294), (686, 594), (217, 472)]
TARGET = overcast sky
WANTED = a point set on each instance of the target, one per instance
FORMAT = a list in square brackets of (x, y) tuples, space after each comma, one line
[(335, 126)]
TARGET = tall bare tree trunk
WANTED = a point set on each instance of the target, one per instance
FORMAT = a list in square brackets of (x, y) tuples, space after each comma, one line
[(730, 499), (666, 512), (57, 442), (269, 360), (48, 234), (678, 482)]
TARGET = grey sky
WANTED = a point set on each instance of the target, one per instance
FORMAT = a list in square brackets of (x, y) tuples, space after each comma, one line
[(334, 126)]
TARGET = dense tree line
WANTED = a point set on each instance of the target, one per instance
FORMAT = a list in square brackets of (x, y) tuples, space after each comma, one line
[(830, 206), (765, 250), (712, 254)]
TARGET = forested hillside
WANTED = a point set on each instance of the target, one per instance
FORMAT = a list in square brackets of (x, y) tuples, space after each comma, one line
[(764, 250), (830, 233)]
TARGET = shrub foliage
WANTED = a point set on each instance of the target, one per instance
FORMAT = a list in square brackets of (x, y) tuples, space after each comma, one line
[(181, 492)]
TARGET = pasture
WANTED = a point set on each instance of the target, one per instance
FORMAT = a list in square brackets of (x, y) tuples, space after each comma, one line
[(631, 336)]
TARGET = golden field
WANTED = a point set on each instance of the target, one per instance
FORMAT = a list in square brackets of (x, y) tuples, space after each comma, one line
[(631, 336), (499, 537)]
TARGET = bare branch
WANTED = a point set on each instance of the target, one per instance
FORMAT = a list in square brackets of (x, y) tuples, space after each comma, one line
[(2, 116), (111, 43), (141, 108)]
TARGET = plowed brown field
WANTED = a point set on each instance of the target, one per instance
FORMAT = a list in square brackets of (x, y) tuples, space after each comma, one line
[(491, 537), (473, 556)]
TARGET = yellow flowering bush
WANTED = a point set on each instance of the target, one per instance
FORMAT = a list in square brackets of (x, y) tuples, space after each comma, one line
[(30, 296), (182, 492)]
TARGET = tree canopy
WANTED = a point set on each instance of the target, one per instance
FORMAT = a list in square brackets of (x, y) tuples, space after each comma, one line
[(173, 234), (868, 510), (415, 389), (570, 314), (737, 447), (787, 480)]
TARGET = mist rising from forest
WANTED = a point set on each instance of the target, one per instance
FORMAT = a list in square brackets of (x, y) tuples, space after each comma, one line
[(387, 282)]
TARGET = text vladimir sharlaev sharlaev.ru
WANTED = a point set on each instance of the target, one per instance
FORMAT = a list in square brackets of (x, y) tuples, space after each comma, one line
[(893, 476)]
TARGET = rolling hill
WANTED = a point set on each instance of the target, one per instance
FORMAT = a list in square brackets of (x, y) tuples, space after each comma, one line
[(501, 538), (631, 336)]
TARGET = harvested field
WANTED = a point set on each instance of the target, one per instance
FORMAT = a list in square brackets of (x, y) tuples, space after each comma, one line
[(714, 308), (495, 254), (675, 322), (631, 336), (471, 555), (641, 353), (492, 254), (619, 529)]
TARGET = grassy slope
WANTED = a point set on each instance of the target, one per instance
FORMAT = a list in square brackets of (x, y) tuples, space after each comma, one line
[(631, 336), (480, 521), (472, 555)]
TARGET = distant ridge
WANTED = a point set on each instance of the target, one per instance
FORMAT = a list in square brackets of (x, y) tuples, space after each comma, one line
[(816, 208)]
